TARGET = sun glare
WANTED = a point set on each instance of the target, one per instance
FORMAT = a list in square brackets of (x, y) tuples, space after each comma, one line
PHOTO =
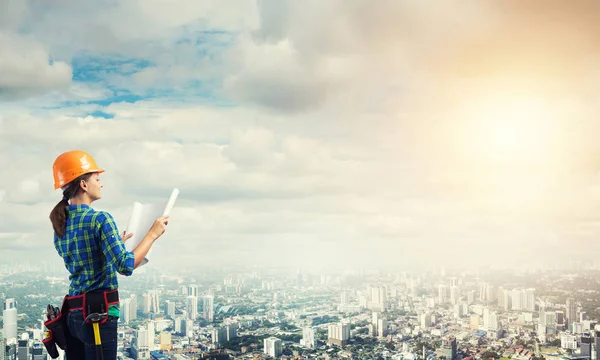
[(513, 131)]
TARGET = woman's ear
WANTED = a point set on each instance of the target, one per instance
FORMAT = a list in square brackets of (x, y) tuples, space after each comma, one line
[(83, 185)]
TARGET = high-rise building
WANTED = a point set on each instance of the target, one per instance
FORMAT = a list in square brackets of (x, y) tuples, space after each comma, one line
[(470, 296), (2, 347), (523, 299), (378, 298), (272, 347), (193, 290), (487, 293), (231, 330), (125, 308), (151, 302), (560, 320), (9, 316), (133, 306), (586, 345), (170, 308), (192, 307), (178, 325), (493, 325), (490, 320), (501, 297), (11, 351), (454, 294), (363, 301), (23, 353), (141, 344), (308, 335), (442, 290), (151, 334), (568, 341), (188, 327), (299, 279), (571, 311), (381, 328), (165, 341), (597, 343), (219, 335), (375, 317), (344, 298), (529, 304), (483, 292), (338, 334), (38, 351), (425, 320), (209, 308), (128, 309), (449, 349)]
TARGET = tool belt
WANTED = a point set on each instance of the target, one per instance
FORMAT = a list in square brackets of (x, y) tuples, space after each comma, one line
[(90, 303)]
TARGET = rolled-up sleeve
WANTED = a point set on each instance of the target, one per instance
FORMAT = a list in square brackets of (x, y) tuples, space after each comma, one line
[(113, 246)]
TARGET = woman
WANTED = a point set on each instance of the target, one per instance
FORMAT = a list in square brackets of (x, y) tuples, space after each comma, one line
[(93, 252)]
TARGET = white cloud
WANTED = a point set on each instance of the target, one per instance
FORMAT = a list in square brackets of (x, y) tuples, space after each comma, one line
[(25, 68), (375, 152)]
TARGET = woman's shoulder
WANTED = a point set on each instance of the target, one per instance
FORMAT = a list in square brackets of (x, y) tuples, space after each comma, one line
[(102, 216)]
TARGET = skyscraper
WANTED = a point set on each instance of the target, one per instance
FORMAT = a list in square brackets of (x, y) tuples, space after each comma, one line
[(9, 316), (2, 347), (170, 308), (129, 309), (344, 298), (151, 334), (23, 352), (193, 290), (151, 302), (442, 291), (308, 335), (209, 308), (231, 330), (449, 348), (338, 334), (378, 298), (219, 335), (454, 294), (570, 311), (272, 347), (192, 307), (586, 345), (125, 311), (597, 343)]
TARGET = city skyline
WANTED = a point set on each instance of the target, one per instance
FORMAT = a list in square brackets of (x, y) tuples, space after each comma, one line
[(549, 314), (427, 139)]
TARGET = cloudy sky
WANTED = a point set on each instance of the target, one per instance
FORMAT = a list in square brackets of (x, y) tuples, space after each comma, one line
[(311, 132)]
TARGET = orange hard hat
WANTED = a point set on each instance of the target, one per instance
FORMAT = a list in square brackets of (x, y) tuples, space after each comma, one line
[(72, 164)]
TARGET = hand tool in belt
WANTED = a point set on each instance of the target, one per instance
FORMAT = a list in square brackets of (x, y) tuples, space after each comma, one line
[(95, 319)]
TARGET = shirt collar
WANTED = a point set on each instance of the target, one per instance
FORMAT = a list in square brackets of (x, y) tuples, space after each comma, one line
[(78, 207)]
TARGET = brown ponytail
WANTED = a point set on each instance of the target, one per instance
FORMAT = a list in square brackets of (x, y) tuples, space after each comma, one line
[(58, 215)]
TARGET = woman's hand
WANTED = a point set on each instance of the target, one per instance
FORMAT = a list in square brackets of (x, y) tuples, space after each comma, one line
[(159, 227), (126, 237)]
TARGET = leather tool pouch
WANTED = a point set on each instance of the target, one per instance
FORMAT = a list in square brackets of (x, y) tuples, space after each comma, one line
[(95, 302), (50, 345)]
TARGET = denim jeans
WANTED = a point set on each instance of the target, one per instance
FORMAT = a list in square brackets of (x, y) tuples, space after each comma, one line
[(80, 338)]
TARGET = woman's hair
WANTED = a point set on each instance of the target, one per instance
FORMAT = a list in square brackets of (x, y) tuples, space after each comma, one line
[(58, 215)]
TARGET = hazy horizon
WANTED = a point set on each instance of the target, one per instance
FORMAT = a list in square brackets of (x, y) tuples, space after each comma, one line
[(348, 133)]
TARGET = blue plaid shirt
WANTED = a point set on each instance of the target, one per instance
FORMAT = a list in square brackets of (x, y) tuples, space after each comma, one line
[(93, 250)]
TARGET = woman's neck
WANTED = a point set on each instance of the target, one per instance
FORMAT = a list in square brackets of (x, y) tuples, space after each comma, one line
[(82, 199)]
